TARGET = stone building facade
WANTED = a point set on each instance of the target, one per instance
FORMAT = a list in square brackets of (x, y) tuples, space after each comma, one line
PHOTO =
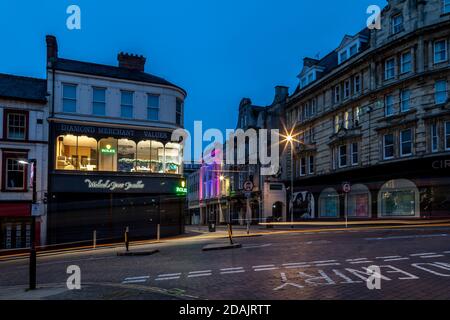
[(374, 114)]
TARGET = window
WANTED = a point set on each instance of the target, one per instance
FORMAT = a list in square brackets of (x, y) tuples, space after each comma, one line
[(311, 165), (398, 198), (347, 89), (357, 83), (302, 166), (173, 158), (356, 116), (99, 101), (337, 124), (76, 153), (353, 49), (389, 105), (16, 124), (447, 135), (343, 56), (434, 138), (440, 89), (126, 104), (329, 203), (152, 107), (397, 23), (440, 51), (355, 157), (179, 112), (342, 156), (406, 143), (15, 173), (389, 69), (346, 119), (388, 146), (446, 6), (406, 62), (405, 97), (126, 155), (313, 106), (69, 98), (337, 94)]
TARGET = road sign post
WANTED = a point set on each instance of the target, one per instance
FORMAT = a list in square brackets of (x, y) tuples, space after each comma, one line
[(346, 187)]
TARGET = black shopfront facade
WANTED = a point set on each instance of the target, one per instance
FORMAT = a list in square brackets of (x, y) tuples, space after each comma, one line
[(130, 181), (405, 189)]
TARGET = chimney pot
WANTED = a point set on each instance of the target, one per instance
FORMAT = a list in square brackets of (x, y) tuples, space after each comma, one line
[(52, 48), (131, 61)]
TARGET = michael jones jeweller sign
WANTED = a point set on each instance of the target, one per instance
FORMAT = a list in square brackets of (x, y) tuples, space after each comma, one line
[(114, 185)]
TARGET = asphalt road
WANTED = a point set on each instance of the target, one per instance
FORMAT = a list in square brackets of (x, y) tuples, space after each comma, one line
[(414, 264)]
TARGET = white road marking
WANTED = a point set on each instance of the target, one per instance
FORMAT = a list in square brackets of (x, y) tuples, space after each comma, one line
[(229, 269), (388, 257), (263, 266), (204, 271), (432, 256), (328, 264), (409, 237), (266, 269), (136, 278), (446, 251), (232, 271), (324, 261), (134, 281), (199, 275), (167, 278), (298, 266), (422, 254), (357, 259), (293, 263), (359, 262), (169, 275), (396, 259)]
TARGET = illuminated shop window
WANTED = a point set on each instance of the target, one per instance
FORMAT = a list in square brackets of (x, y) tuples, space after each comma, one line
[(329, 203), (107, 158), (126, 155), (398, 198), (76, 153)]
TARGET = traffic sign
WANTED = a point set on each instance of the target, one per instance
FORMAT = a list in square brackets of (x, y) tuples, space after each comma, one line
[(346, 187), (248, 185)]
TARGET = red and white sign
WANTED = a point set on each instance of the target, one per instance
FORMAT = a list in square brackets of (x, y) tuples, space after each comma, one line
[(346, 187)]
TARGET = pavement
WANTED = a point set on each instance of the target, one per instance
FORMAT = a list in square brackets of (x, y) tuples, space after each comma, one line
[(414, 263)]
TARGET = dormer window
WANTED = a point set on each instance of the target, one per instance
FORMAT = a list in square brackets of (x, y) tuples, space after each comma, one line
[(308, 78), (397, 23)]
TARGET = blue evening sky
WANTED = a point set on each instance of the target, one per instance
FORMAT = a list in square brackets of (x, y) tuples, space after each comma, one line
[(219, 51)]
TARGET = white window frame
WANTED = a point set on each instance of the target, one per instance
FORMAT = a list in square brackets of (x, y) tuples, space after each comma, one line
[(337, 94), (8, 114), (341, 156), (23, 170), (99, 102), (397, 27), (67, 98), (403, 100), (153, 108), (311, 165), (436, 93), (445, 50), (386, 105), (122, 92), (386, 68), (384, 146), (402, 62), (353, 152), (445, 6), (347, 89), (302, 167), (357, 83), (434, 137), (447, 134), (408, 141)]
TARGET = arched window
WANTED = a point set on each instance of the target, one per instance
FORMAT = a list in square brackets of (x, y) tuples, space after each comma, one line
[(329, 203), (107, 159), (76, 153), (359, 202), (126, 155), (143, 162), (157, 157), (398, 198), (173, 158)]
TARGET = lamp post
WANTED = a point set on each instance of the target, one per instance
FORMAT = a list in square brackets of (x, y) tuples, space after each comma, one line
[(290, 139), (32, 264)]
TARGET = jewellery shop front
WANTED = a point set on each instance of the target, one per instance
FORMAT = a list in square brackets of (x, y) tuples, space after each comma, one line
[(105, 179)]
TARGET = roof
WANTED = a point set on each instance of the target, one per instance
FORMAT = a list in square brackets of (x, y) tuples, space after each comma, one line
[(110, 72), (23, 88)]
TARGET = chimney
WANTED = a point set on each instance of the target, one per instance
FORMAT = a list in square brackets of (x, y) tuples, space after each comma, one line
[(52, 48), (131, 61), (281, 94)]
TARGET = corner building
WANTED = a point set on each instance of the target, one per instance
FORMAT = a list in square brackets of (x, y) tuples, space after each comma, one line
[(112, 163)]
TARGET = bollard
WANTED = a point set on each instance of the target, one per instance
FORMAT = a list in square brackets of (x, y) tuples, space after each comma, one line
[(230, 233), (158, 232), (248, 227), (127, 240), (94, 239)]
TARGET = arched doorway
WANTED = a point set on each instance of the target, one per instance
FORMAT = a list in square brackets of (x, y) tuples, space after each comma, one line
[(277, 211)]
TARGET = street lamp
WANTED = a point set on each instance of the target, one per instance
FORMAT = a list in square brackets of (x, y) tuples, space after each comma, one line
[(32, 264)]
